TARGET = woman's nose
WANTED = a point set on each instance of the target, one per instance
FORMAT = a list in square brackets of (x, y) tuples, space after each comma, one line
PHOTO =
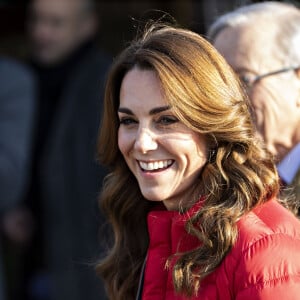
[(145, 141)]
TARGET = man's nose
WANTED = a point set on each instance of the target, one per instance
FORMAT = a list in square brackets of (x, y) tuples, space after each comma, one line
[(145, 141)]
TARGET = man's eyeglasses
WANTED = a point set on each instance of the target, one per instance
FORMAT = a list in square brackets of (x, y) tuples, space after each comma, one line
[(249, 81)]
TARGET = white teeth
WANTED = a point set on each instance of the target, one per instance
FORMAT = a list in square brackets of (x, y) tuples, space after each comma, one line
[(155, 165)]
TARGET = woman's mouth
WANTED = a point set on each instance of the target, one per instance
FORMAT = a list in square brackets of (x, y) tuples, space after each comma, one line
[(154, 166)]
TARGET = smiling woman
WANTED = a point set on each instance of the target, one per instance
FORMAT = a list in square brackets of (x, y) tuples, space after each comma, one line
[(191, 195), (165, 156)]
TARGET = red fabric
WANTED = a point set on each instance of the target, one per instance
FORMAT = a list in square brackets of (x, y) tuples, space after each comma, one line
[(263, 264)]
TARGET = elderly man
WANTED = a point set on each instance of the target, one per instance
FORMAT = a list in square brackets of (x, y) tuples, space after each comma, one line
[(66, 178), (261, 42)]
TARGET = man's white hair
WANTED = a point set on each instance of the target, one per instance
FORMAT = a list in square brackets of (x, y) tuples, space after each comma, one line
[(284, 17)]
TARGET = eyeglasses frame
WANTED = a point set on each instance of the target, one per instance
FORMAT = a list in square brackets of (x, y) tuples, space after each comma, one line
[(257, 78)]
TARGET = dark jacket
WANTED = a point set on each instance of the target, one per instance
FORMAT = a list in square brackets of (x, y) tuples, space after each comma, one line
[(17, 100), (69, 180), (17, 107)]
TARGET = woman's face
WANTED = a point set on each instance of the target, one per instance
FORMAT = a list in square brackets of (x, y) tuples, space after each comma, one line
[(165, 156)]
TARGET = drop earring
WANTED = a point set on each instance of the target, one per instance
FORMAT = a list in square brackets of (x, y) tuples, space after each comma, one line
[(212, 155)]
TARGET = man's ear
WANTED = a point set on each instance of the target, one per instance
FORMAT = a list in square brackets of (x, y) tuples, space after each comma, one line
[(297, 71)]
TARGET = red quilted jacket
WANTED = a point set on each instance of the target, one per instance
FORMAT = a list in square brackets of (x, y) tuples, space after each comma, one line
[(263, 264)]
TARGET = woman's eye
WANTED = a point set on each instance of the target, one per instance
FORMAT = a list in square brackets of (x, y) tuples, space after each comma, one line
[(127, 121), (167, 120)]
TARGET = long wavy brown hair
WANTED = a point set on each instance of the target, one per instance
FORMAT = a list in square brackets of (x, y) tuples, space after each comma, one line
[(206, 96)]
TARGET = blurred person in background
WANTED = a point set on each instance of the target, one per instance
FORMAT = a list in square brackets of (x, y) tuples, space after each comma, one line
[(66, 177), (17, 99), (261, 42)]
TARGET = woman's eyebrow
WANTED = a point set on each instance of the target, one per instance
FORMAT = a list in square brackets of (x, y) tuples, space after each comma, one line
[(153, 111), (125, 111), (157, 110)]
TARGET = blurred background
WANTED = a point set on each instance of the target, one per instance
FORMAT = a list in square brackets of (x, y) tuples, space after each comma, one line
[(116, 25)]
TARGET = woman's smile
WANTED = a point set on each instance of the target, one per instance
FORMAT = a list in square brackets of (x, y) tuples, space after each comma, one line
[(155, 166)]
